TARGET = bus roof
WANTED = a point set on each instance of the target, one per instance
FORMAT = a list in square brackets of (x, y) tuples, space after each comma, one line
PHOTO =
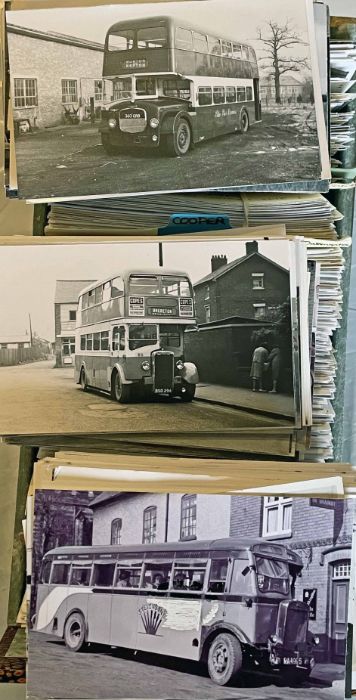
[(224, 544), (142, 273), (139, 22)]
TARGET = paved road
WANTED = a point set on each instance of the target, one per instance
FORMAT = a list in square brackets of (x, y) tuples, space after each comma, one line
[(36, 398), (105, 673), (70, 160)]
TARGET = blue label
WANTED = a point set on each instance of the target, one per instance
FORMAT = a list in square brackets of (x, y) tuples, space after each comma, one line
[(192, 223)]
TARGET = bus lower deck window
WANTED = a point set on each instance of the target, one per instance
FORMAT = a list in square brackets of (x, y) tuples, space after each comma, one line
[(80, 576), (60, 573), (218, 95), (249, 93), (205, 96), (241, 94), (230, 94)]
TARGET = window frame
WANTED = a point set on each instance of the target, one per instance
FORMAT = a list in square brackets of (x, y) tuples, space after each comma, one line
[(67, 93), (256, 277), (151, 512), (117, 540), (279, 503), (185, 515), (28, 100)]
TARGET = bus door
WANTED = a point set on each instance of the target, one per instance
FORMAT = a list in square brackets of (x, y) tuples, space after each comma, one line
[(170, 610)]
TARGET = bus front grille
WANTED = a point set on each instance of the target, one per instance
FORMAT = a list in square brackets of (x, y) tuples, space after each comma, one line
[(163, 372), (296, 624), (132, 120)]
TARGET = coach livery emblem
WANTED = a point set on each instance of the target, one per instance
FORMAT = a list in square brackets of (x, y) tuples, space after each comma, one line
[(152, 616)]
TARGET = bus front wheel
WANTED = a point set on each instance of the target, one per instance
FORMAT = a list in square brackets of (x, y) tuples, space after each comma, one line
[(74, 632), (224, 658), (109, 148), (244, 122), (187, 392), (179, 142), (120, 392)]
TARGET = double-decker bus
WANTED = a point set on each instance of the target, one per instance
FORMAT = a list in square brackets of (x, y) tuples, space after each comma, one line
[(130, 335), (228, 603), (174, 85)]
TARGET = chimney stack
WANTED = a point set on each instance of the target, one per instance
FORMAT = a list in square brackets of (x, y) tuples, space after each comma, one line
[(251, 247), (218, 261)]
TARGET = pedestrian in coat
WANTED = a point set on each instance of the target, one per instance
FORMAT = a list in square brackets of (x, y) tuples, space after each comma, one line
[(274, 362), (259, 359)]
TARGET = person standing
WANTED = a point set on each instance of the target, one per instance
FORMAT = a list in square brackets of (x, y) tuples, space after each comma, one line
[(259, 358), (274, 361)]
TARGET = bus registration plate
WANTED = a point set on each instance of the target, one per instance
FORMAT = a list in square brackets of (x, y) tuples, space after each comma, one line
[(294, 661)]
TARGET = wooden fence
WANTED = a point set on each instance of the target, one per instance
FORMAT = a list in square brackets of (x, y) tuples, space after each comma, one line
[(13, 356)]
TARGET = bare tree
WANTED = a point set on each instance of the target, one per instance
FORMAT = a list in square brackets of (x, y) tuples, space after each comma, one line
[(278, 40)]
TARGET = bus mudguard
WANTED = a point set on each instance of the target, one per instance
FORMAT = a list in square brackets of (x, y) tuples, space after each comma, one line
[(169, 121), (119, 369), (209, 632), (190, 373)]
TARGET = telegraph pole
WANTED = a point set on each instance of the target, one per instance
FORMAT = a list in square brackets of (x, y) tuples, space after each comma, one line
[(29, 318)]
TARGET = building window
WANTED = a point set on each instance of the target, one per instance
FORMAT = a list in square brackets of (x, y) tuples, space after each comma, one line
[(116, 527), (72, 315), (25, 92), (98, 90), (69, 91), (258, 280), (188, 517), (342, 570), (68, 346), (149, 525), (207, 313), (259, 311), (277, 517), (207, 293)]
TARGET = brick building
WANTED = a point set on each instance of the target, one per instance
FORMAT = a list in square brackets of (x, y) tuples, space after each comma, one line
[(65, 315), (249, 287), (133, 518), (320, 531), (292, 90), (72, 77)]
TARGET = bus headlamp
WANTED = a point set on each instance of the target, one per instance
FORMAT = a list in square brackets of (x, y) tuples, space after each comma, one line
[(154, 122), (112, 123), (179, 365), (145, 365), (154, 137), (316, 641), (274, 638)]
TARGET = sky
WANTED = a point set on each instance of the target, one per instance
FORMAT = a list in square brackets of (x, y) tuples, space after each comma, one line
[(28, 274), (235, 18)]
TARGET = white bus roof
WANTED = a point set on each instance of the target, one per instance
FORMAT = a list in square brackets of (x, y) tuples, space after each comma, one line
[(142, 273)]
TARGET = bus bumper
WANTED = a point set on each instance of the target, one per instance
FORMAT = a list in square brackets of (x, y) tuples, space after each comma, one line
[(148, 138)]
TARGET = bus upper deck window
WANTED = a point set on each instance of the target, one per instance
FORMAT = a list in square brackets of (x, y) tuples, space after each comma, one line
[(144, 285), (226, 49), (200, 43), (175, 287), (152, 37), (205, 96), (245, 54), (236, 51), (218, 95), (184, 39), (121, 41), (117, 287), (106, 291), (252, 55), (214, 46)]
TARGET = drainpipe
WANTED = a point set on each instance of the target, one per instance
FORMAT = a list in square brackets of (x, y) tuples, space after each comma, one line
[(167, 519)]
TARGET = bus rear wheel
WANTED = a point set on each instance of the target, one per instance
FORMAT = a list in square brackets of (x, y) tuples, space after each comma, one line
[(244, 122), (74, 632), (83, 380), (187, 392), (179, 142), (224, 658), (120, 392), (110, 148)]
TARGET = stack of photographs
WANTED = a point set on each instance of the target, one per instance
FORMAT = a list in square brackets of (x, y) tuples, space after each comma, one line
[(200, 340), (126, 566), (343, 79)]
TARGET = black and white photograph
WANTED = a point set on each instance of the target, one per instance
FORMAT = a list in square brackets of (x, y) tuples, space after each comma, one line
[(196, 336), (162, 600), (141, 98)]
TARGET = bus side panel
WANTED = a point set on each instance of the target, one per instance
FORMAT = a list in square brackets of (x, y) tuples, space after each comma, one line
[(123, 631), (53, 605), (173, 626), (255, 621), (99, 616)]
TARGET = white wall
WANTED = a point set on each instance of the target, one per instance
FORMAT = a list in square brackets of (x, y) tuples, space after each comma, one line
[(342, 8)]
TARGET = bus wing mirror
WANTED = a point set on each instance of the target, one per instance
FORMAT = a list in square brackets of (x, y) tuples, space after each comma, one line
[(246, 570)]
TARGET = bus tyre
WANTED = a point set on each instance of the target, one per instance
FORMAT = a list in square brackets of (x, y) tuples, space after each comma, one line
[(244, 122), (179, 142), (224, 658), (83, 380), (120, 392), (109, 148), (187, 392), (74, 632)]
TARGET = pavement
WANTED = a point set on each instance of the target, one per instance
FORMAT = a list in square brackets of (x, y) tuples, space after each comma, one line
[(256, 401), (37, 398), (54, 671), (67, 160)]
